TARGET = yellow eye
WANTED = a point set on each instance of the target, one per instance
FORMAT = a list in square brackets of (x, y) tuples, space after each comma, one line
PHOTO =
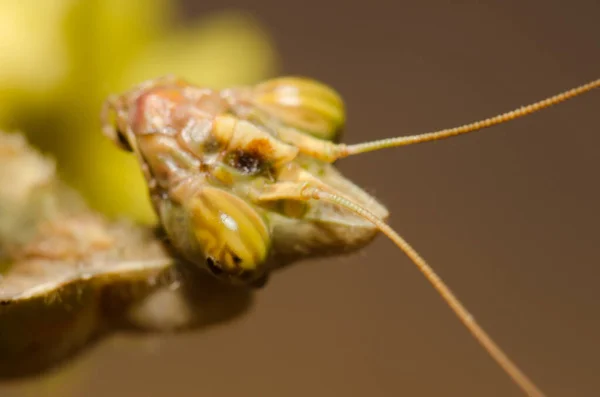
[(231, 234), (302, 103)]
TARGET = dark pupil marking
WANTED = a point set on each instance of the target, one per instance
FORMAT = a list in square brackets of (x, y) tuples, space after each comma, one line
[(123, 141), (245, 162), (212, 266)]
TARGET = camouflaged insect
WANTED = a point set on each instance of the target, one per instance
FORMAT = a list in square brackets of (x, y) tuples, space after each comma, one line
[(216, 162), (242, 178)]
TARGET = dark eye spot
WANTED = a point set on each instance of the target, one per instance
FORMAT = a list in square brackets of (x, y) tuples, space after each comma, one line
[(212, 266), (123, 142), (236, 259), (248, 163)]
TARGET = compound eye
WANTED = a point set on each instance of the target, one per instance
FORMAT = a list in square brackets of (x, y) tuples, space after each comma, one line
[(232, 235), (304, 104)]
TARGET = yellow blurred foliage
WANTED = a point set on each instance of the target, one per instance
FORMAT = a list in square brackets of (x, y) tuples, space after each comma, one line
[(30, 39), (61, 58)]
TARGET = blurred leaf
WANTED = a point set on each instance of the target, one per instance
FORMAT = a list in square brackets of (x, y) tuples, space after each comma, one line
[(105, 36), (76, 275), (30, 39), (225, 49)]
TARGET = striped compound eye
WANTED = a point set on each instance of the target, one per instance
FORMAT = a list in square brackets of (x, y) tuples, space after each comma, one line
[(232, 235), (303, 104)]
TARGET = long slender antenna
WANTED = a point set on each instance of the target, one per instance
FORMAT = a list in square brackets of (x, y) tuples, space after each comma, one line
[(467, 319), (348, 150)]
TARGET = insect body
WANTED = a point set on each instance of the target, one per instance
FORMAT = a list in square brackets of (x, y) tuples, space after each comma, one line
[(242, 180)]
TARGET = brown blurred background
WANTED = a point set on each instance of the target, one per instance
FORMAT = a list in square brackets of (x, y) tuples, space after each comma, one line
[(508, 216)]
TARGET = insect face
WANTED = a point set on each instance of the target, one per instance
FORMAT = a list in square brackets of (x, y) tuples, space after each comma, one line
[(220, 166)]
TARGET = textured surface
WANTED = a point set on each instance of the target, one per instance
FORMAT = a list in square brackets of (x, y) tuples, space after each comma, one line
[(69, 275)]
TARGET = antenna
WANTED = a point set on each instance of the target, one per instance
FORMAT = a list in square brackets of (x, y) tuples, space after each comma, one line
[(311, 192), (343, 150)]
